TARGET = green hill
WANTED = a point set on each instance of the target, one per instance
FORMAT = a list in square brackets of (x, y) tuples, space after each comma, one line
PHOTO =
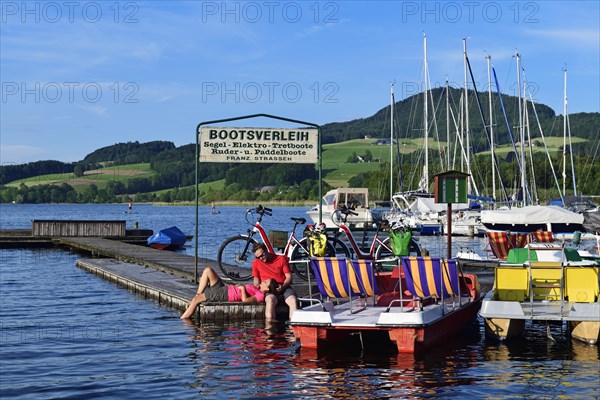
[(159, 171)]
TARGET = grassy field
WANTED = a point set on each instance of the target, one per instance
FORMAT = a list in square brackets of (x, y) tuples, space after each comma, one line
[(98, 177), (202, 187), (336, 170), (553, 144)]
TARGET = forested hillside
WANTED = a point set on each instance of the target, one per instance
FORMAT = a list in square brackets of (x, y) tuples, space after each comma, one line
[(408, 120), (115, 173)]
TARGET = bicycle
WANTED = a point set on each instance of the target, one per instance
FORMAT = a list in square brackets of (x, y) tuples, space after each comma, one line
[(380, 250), (233, 257)]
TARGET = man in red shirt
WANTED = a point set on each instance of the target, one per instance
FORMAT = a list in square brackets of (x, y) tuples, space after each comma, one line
[(271, 266)]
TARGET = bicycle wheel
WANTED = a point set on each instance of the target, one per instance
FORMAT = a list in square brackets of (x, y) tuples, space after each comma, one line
[(339, 248), (235, 257), (385, 259), (300, 254)]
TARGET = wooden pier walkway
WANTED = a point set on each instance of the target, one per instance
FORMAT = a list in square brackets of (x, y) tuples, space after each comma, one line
[(181, 265), (169, 290), (165, 276)]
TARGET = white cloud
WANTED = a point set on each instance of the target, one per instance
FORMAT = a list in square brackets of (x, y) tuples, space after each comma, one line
[(98, 110), (148, 52), (569, 37)]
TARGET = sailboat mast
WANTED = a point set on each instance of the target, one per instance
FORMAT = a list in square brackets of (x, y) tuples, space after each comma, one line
[(425, 115), (448, 123), (567, 131), (528, 129), (564, 154), (392, 141), (489, 62), (521, 130), (468, 144)]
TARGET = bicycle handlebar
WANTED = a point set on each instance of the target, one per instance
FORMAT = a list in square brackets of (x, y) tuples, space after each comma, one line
[(263, 210), (346, 211)]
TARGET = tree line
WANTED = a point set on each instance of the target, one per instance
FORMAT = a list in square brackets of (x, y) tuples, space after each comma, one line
[(407, 176), (408, 120), (175, 176)]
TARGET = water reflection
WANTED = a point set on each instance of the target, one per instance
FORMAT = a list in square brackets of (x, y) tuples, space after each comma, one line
[(383, 374), (244, 359), (542, 366)]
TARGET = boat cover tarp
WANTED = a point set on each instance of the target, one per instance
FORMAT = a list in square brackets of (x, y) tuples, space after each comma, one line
[(591, 221), (481, 198), (531, 215), (426, 205), (574, 203), (170, 236)]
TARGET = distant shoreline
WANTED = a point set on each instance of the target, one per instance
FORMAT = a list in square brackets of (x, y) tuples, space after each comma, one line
[(233, 203), (225, 203)]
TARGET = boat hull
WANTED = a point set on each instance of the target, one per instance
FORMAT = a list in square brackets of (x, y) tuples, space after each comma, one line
[(356, 199), (363, 218), (504, 328), (409, 338), (167, 239), (585, 331)]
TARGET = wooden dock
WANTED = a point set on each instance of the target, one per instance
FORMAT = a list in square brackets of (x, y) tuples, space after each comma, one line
[(165, 276), (173, 263), (168, 290)]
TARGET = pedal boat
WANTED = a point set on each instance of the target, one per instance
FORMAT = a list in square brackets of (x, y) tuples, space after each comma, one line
[(424, 301), (544, 282)]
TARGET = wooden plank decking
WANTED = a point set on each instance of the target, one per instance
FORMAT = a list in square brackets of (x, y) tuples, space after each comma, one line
[(181, 265), (168, 289), (165, 276)]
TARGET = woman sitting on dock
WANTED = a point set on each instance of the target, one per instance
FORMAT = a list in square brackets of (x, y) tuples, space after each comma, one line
[(211, 288)]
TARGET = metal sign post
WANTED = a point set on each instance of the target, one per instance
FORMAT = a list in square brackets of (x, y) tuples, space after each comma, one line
[(450, 187), (256, 145)]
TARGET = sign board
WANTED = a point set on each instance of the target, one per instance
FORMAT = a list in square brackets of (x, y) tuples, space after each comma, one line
[(258, 145), (450, 187)]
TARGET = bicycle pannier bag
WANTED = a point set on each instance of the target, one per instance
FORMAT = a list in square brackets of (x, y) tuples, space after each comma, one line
[(318, 244)]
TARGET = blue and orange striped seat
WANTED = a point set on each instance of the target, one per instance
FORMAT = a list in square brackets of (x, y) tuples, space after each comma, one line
[(341, 278), (431, 277)]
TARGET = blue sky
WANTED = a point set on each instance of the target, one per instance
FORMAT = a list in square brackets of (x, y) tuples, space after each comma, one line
[(81, 75)]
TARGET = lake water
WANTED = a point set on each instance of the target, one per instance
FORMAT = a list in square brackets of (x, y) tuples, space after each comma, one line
[(67, 334)]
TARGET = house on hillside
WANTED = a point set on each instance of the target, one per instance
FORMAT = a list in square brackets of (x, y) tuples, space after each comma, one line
[(265, 189), (383, 142)]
